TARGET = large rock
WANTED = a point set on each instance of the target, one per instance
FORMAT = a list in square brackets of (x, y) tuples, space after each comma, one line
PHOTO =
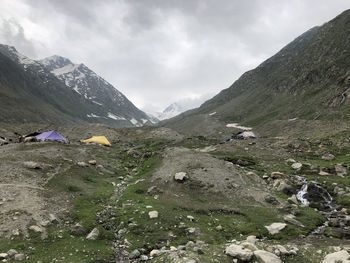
[(275, 228), (82, 164), (93, 235), (291, 219), (3, 256), (36, 229), (78, 230), (340, 169), (239, 252), (154, 253), (266, 257), (180, 177), (336, 257)]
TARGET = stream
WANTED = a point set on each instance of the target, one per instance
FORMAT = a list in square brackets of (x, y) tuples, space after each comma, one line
[(312, 194)]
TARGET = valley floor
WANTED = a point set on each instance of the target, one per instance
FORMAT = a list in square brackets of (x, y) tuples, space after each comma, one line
[(160, 196)]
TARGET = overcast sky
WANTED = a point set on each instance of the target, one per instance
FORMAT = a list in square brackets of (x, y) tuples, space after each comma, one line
[(160, 51)]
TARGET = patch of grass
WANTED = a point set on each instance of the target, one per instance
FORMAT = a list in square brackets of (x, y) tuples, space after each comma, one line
[(344, 201)]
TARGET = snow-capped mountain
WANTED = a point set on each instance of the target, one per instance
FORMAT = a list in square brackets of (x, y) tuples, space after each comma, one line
[(95, 89), (170, 111), (72, 92)]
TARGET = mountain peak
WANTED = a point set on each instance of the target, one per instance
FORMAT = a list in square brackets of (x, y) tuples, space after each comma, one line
[(55, 62)]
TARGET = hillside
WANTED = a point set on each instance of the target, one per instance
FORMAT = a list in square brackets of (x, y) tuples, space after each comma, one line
[(307, 79), (30, 92)]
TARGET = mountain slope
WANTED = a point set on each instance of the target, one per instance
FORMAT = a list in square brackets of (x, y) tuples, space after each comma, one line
[(31, 93), (309, 78), (113, 104)]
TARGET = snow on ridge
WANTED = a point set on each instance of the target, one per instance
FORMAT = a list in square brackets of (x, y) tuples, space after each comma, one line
[(92, 115), (97, 103), (133, 121), (144, 120), (236, 125), (115, 117), (64, 70)]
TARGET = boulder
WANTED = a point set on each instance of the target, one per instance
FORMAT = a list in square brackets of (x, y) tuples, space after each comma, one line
[(32, 165), (153, 214), (275, 228), (239, 252), (93, 235), (293, 200), (290, 161), (263, 256), (336, 257), (180, 177), (53, 219)]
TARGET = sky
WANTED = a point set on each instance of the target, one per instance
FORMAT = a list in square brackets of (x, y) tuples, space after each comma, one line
[(158, 52)]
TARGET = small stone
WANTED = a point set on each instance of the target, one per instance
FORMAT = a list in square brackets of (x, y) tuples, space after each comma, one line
[(291, 219), (190, 244), (297, 166), (36, 229), (154, 253), (32, 165), (191, 218), (181, 247), (249, 245), (53, 219), (78, 230), (181, 176), (290, 161), (11, 253), (92, 162), (239, 252), (93, 235), (134, 254), (251, 239), (143, 258), (266, 257), (172, 248), (277, 175), (153, 214), (153, 190), (82, 164), (340, 169), (219, 228), (3, 256), (275, 228), (328, 157), (20, 257)]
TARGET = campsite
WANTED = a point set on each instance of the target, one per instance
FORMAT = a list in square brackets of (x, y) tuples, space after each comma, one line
[(174, 131)]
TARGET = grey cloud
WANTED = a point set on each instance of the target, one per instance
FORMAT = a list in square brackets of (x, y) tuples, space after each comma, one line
[(161, 51)]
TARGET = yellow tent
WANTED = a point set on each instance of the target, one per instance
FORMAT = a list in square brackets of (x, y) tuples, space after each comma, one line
[(98, 139)]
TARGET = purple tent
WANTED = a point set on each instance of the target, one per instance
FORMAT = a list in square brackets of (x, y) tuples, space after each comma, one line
[(51, 135)]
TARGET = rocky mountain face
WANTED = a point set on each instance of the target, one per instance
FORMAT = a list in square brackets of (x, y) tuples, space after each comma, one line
[(59, 91), (307, 79)]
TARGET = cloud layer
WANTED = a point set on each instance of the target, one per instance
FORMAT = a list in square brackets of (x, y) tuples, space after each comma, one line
[(160, 51)]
